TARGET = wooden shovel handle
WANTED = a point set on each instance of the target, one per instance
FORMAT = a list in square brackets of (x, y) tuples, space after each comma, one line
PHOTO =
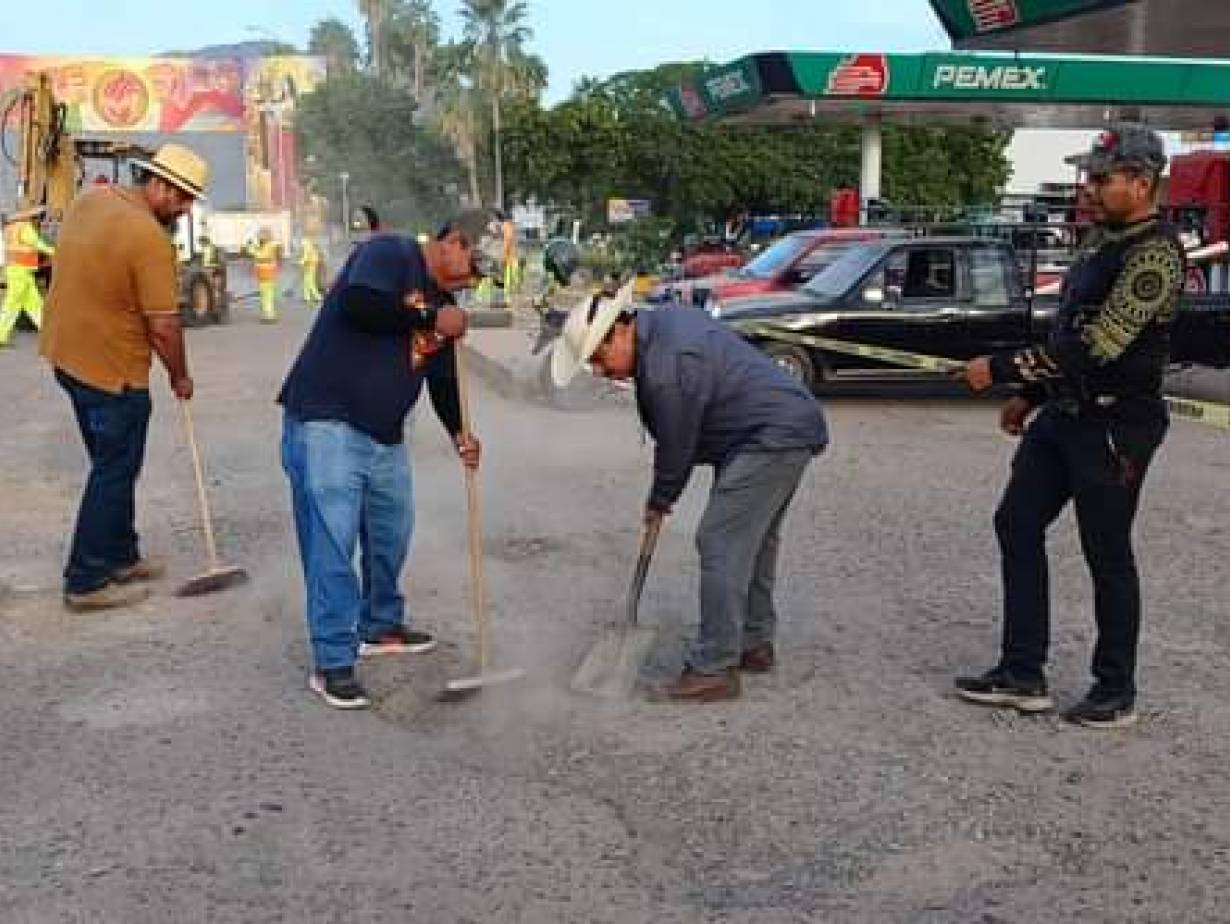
[(474, 517)]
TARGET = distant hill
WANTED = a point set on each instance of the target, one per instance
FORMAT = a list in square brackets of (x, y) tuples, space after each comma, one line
[(254, 49)]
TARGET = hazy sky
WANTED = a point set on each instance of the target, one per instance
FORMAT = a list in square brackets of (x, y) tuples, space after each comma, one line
[(575, 37)]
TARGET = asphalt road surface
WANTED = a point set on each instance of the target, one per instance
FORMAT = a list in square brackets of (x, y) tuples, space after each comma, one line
[(166, 764)]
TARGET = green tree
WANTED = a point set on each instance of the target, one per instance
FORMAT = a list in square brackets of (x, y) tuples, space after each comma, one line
[(368, 128), (614, 138), (333, 40), (412, 36), (494, 34), (375, 15)]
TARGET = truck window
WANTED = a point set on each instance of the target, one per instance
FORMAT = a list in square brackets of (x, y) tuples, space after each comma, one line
[(988, 278), (818, 259), (921, 273)]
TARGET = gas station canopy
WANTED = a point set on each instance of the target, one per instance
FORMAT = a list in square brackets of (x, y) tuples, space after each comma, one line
[(1015, 91), (1167, 28)]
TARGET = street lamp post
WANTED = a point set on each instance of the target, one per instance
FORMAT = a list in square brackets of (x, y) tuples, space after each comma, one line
[(345, 178)]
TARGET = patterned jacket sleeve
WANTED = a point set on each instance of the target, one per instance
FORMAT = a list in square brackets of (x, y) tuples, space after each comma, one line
[(1147, 290)]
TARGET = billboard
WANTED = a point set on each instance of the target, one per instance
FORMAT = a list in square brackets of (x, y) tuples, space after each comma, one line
[(251, 100), (165, 95)]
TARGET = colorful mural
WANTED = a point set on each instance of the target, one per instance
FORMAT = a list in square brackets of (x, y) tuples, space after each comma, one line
[(166, 94), (255, 97)]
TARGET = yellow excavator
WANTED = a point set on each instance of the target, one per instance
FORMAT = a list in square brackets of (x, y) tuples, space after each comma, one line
[(51, 166)]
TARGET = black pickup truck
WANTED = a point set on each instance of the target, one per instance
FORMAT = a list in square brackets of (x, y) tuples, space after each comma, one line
[(956, 297)]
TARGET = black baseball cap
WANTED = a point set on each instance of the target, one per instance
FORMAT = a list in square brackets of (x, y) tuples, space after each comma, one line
[(483, 231), (1123, 146)]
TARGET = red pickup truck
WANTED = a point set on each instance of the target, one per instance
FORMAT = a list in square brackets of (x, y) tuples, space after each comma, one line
[(786, 264)]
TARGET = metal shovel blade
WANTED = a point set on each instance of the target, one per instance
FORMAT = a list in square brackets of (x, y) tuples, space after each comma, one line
[(613, 664), (212, 581), (610, 669)]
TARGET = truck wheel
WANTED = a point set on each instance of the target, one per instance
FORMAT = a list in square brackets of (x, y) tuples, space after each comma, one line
[(198, 307), (794, 361)]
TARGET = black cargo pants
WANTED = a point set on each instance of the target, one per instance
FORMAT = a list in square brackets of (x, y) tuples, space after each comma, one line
[(1098, 461)]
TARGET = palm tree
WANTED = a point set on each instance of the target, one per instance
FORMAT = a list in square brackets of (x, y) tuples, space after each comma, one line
[(414, 27), (333, 40), (455, 116), (495, 33), (376, 13)]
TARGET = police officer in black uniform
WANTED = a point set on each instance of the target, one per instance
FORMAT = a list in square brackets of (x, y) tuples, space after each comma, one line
[(1096, 387)]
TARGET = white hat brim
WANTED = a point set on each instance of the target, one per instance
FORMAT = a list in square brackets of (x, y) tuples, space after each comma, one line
[(566, 357)]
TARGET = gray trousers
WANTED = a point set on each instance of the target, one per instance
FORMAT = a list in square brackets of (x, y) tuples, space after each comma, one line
[(738, 540)]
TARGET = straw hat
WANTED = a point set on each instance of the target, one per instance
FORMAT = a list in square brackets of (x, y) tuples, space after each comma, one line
[(25, 214), (182, 167), (584, 330)]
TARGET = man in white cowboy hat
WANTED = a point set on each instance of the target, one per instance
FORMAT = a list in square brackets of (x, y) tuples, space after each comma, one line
[(114, 302), (22, 247), (385, 329), (707, 397)]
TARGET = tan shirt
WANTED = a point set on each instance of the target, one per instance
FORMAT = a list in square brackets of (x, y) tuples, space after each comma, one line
[(114, 265)]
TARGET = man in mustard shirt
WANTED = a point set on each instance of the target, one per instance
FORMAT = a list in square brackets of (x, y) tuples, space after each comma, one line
[(114, 302)]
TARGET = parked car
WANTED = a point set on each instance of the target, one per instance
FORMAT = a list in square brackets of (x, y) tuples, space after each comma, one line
[(956, 297), (784, 265)]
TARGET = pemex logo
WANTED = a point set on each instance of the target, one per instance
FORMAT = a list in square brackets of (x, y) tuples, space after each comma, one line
[(990, 15), (859, 75)]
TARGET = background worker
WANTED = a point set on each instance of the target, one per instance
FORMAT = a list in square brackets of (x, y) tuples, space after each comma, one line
[(22, 247), (708, 397), (309, 263), (114, 301), (266, 260), (388, 316), (512, 258), (209, 253), (1097, 390)]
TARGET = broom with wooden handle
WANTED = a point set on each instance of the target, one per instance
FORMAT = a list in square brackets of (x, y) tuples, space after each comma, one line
[(465, 686), (219, 576)]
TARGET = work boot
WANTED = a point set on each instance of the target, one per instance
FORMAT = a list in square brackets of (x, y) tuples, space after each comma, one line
[(758, 660), (693, 687), (1103, 709), (143, 569), (108, 597), (999, 688)]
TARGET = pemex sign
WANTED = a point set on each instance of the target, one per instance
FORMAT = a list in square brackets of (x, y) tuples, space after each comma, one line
[(967, 19)]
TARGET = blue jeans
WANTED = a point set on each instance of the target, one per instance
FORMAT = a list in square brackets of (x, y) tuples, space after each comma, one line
[(113, 428), (347, 489)]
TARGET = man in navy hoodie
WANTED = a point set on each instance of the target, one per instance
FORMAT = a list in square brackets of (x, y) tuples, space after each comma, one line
[(385, 328)]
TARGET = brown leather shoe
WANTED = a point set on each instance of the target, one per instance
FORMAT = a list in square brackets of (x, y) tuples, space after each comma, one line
[(692, 687), (143, 569), (107, 597), (758, 660)]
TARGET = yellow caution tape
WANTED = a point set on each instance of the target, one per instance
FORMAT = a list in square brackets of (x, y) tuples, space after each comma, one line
[(886, 354), (1208, 413)]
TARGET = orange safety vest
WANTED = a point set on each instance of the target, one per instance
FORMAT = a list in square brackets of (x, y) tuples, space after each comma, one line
[(266, 258), (16, 251)]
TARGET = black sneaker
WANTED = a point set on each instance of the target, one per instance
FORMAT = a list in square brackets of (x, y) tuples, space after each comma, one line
[(397, 641), (337, 687), (997, 688), (1104, 710)]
